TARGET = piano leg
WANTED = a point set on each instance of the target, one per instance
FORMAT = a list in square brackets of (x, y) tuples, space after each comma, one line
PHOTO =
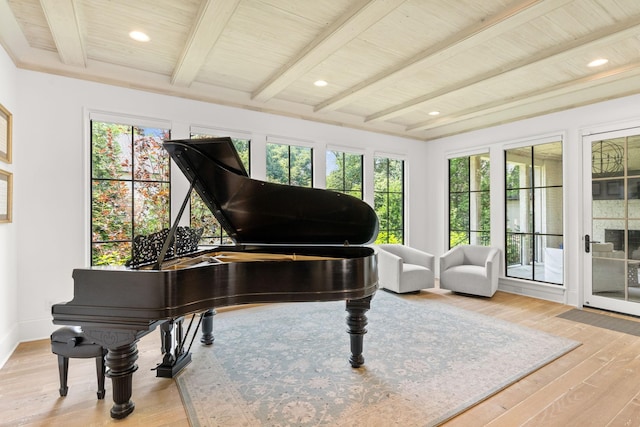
[(121, 364), (357, 322), (166, 337), (207, 327)]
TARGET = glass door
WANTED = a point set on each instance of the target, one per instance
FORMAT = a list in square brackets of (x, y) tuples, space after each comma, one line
[(612, 221)]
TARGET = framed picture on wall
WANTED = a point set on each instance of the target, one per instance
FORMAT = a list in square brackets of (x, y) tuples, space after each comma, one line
[(5, 134), (6, 189)]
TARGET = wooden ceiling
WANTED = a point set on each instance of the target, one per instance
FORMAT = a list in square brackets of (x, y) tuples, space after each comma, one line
[(388, 63)]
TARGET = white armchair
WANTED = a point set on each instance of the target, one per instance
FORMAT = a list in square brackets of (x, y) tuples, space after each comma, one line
[(404, 269), (470, 269)]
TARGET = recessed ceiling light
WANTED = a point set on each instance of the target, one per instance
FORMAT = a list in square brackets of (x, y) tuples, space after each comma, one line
[(598, 62), (139, 36), (434, 113), (320, 83)]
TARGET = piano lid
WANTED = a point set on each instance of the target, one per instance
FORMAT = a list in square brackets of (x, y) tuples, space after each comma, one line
[(253, 211)]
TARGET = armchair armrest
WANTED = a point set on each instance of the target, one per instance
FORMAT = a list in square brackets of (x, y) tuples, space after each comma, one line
[(492, 265), (415, 256), (452, 257), (389, 267)]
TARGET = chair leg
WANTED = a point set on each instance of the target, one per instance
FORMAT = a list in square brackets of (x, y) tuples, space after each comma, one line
[(100, 369), (63, 368)]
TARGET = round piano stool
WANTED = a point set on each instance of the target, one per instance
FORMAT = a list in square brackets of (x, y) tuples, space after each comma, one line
[(69, 342)]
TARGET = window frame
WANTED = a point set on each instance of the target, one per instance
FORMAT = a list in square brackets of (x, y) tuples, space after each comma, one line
[(290, 143), (532, 143), (467, 155), (345, 152), (403, 194), (132, 122)]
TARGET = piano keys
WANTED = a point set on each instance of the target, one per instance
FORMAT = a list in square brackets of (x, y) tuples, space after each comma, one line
[(292, 244)]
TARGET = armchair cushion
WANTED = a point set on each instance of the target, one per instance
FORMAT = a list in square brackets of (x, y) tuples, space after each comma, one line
[(470, 269), (404, 269)]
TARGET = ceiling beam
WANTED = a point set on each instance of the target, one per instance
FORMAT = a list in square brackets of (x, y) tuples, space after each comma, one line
[(362, 15), (564, 88), (602, 37), (209, 24), (63, 21), (514, 16)]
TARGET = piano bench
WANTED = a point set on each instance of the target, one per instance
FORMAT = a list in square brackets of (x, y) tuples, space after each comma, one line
[(69, 342)]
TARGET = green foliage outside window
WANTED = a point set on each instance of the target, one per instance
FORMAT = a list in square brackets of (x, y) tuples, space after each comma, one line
[(290, 165), (389, 199), (469, 200), (129, 188), (344, 173)]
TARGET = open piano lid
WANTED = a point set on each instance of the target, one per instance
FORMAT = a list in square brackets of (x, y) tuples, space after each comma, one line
[(253, 211)]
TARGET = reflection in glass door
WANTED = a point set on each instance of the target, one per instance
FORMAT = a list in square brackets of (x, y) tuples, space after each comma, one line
[(614, 239)]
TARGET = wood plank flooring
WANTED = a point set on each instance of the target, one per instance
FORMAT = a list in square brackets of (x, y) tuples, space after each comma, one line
[(597, 384)]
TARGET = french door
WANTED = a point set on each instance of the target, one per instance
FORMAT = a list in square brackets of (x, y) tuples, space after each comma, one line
[(611, 244)]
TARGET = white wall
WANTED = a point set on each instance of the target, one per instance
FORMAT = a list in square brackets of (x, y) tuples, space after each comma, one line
[(571, 125), (53, 149), (8, 232)]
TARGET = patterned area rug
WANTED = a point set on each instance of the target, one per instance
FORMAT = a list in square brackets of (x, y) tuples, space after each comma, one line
[(425, 362)]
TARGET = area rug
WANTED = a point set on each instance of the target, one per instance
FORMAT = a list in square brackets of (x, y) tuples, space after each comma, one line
[(425, 362)]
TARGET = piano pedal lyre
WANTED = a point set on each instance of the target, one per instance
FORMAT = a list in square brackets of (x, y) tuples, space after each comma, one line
[(175, 360)]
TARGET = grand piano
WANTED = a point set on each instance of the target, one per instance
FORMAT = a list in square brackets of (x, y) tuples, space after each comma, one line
[(292, 244)]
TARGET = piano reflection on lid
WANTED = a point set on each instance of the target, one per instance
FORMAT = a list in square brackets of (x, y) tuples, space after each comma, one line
[(292, 244)]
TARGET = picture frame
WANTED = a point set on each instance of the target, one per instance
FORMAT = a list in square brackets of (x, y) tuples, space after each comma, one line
[(6, 130), (6, 196)]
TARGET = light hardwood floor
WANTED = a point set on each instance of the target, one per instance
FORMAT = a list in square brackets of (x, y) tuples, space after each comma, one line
[(597, 384)]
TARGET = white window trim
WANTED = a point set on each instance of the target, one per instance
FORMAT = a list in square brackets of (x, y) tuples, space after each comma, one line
[(127, 119), (345, 149), (272, 139), (232, 133), (537, 140)]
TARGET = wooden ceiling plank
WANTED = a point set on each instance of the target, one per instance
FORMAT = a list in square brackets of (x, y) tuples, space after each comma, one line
[(531, 97), (63, 22), (361, 16), (602, 37), (517, 14), (211, 20)]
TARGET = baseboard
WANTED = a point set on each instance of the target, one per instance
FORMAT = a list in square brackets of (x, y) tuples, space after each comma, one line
[(554, 293), (8, 344), (38, 329)]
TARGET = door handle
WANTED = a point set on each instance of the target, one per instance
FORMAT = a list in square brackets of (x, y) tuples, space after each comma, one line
[(588, 242)]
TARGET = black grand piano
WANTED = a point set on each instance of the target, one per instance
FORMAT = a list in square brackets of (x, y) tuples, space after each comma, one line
[(291, 244)]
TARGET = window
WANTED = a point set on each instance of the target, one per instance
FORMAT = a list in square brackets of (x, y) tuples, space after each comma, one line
[(290, 164), (469, 201), (344, 173), (201, 216), (389, 199), (130, 189), (534, 212)]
